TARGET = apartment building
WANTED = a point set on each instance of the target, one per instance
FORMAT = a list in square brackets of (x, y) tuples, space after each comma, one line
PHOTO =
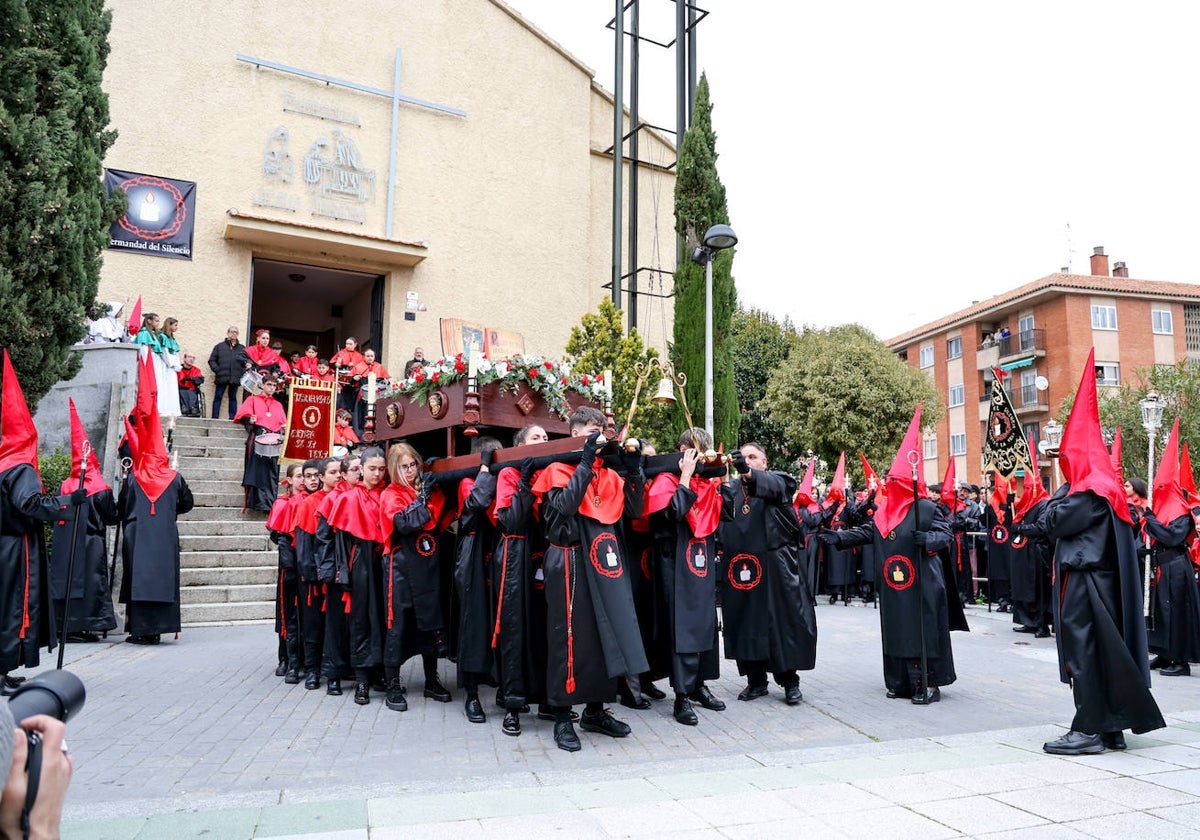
[(1040, 335)]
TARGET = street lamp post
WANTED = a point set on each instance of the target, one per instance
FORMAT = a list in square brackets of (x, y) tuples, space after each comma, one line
[(1152, 411), (1054, 433), (717, 238)]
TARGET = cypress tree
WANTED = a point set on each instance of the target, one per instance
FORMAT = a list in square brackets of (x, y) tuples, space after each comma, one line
[(54, 214), (699, 204)]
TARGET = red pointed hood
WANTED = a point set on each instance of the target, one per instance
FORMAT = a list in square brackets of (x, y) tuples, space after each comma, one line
[(151, 464), (804, 497), (18, 436), (837, 487), (950, 490), (1000, 490), (135, 317), (1115, 456), (1032, 490), (1168, 494), (93, 478), (900, 496), (1187, 479), (872, 480), (1085, 461)]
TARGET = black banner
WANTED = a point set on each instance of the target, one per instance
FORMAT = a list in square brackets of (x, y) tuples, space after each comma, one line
[(160, 218), (1005, 450)]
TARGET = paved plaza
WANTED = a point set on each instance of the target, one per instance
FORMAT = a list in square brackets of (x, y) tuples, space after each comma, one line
[(198, 738)]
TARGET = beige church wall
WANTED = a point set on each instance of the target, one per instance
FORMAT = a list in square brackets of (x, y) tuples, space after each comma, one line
[(514, 208)]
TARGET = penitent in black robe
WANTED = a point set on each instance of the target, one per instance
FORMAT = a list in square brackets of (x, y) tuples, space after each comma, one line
[(473, 581), (25, 612), (1099, 627), (766, 603), (1175, 631), (150, 556), (91, 606)]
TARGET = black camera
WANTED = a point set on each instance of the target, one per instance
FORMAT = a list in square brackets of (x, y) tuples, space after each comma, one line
[(59, 694)]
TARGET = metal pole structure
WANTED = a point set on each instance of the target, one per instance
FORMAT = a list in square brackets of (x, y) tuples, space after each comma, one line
[(86, 450), (691, 58), (618, 144), (1150, 434), (634, 121), (918, 557), (708, 342)]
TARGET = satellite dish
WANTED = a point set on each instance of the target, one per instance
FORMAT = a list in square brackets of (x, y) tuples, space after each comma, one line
[(1043, 447), (1041, 383)]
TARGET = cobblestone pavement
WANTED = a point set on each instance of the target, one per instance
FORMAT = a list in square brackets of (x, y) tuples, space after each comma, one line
[(197, 738)]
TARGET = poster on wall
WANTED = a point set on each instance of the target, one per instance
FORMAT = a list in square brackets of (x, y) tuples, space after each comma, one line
[(459, 336), (309, 432), (160, 218)]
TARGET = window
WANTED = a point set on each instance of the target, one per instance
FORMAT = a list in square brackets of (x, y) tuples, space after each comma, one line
[(1032, 430), (1104, 317), (1108, 374), (1029, 387), (1025, 323), (930, 446), (927, 356), (957, 395), (958, 444), (954, 347), (1161, 321)]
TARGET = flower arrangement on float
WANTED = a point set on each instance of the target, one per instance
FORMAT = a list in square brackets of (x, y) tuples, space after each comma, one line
[(547, 378)]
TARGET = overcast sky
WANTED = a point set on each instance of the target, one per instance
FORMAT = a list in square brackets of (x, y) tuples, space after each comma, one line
[(889, 163)]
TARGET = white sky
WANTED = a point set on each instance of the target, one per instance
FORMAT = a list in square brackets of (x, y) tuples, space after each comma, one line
[(889, 163)]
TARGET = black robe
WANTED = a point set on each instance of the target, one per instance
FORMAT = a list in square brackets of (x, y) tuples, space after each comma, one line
[(1175, 631), (150, 556), (414, 612), (765, 600), (473, 580), (91, 606), (912, 597), (1030, 554), (1099, 627), (356, 591), (25, 611), (519, 636), (260, 475), (687, 572), (999, 530), (591, 625)]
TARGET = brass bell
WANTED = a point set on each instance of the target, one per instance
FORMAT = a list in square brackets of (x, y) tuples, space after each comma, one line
[(665, 392)]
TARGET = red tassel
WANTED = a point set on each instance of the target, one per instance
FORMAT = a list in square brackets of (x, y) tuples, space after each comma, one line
[(346, 601), (282, 608), (500, 596), (391, 579), (570, 686)]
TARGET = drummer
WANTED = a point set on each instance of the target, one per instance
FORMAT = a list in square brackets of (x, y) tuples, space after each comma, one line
[(306, 365), (343, 435), (260, 358), (344, 362), (325, 372), (360, 377), (263, 418)]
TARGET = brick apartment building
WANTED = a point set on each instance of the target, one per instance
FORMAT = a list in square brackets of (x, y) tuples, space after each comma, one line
[(1041, 334)]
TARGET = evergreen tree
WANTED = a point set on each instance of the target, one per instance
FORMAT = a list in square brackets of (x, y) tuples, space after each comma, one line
[(54, 214), (699, 204), (598, 344)]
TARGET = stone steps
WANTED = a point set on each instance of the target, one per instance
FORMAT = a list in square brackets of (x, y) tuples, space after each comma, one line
[(235, 542), (226, 559), (222, 527), (228, 613), (229, 576), (235, 593)]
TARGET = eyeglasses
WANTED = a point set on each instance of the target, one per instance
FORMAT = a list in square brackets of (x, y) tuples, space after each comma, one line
[(409, 466), (313, 474)]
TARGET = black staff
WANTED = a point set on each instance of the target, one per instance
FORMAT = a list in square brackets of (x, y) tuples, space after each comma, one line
[(923, 700), (86, 450), (125, 465)]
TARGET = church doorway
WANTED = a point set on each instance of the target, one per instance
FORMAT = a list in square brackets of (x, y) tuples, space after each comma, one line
[(310, 304)]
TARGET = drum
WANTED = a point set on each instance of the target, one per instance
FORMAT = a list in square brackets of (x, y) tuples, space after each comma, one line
[(339, 451), (252, 381), (268, 444)]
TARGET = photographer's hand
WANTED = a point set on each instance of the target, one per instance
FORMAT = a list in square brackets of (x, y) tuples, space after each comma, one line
[(55, 776)]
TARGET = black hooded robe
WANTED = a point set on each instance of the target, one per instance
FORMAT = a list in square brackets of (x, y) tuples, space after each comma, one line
[(25, 611), (415, 615), (473, 582), (519, 633), (1029, 562), (91, 607), (1175, 633), (150, 556), (1100, 630)]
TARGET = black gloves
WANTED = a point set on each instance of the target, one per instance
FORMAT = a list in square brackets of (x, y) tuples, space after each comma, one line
[(486, 457), (527, 470), (739, 462), (427, 484), (78, 497), (920, 538), (829, 537), (631, 460), (591, 446), (1148, 513)]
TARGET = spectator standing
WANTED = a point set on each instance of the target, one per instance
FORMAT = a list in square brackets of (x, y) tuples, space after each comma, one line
[(223, 361)]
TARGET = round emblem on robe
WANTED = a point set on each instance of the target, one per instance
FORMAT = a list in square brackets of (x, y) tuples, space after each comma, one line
[(1019, 541), (898, 572), (426, 544), (745, 572), (999, 534), (604, 556), (698, 560)]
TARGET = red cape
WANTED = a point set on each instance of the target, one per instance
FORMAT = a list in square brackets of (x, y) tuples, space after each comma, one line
[(607, 488), (270, 413), (356, 512), (704, 515), (396, 497), (899, 496), (1032, 490)]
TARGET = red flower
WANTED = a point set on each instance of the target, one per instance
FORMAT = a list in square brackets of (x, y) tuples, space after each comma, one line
[(458, 356), (585, 379), (419, 376), (563, 380), (533, 372), (437, 374), (459, 366), (549, 365)]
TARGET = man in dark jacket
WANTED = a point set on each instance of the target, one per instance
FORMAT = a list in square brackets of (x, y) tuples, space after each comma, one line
[(223, 362)]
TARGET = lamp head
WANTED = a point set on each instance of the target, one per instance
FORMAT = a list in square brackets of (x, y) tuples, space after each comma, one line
[(720, 237)]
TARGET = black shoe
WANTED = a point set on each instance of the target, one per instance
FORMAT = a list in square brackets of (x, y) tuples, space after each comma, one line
[(792, 695), (706, 699), (604, 723), (545, 714), (312, 681), (684, 713), (898, 695), (1113, 740), (281, 668), (292, 677), (918, 699), (334, 688), (85, 636), (1159, 661), (565, 737), (752, 692), (1042, 633), (649, 689), (1177, 669), (474, 710), (394, 699), (1021, 628), (378, 684), (833, 599), (362, 694), (511, 725), (436, 691), (628, 699), (143, 640), (12, 682), (1075, 743)]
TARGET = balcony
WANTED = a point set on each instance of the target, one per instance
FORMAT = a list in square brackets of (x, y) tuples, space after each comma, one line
[(1027, 343), (1029, 400)]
